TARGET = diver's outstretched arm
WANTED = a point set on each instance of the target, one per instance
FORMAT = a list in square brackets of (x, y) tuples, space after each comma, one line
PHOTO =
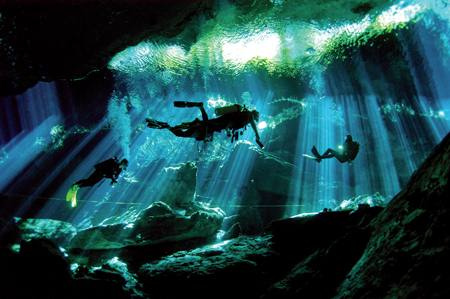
[(114, 177), (255, 129)]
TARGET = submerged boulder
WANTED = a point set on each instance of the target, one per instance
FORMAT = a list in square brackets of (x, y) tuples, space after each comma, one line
[(303, 256), (169, 225), (60, 232), (230, 268), (360, 200), (114, 272), (113, 236), (157, 224), (301, 236)]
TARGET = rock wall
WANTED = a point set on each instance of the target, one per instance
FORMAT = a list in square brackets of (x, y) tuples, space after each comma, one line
[(408, 254)]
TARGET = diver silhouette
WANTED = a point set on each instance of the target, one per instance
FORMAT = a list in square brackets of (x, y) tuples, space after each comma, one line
[(231, 118), (109, 169), (345, 153)]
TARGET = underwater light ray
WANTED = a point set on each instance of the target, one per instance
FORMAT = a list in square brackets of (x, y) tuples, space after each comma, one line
[(103, 148), (153, 184), (360, 170), (301, 168), (379, 134), (322, 125), (326, 174), (23, 149), (37, 104), (436, 73), (38, 111), (237, 174), (309, 191), (386, 172)]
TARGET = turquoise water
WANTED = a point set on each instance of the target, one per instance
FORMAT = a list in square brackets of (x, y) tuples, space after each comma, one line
[(380, 76)]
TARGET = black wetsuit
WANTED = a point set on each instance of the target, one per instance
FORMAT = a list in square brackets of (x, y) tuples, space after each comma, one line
[(348, 152), (107, 169), (232, 121), (204, 129)]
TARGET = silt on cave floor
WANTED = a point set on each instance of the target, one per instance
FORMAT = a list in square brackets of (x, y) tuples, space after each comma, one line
[(252, 212)]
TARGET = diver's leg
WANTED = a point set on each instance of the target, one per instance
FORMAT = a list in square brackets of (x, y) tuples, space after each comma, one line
[(329, 153), (341, 158), (91, 180), (315, 152), (204, 115)]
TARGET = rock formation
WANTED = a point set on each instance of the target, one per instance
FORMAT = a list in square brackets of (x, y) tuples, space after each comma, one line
[(409, 251), (175, 223)]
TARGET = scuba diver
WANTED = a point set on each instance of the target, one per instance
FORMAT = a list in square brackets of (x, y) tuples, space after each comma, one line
[(109, 169), (230, 118), (345, 153)]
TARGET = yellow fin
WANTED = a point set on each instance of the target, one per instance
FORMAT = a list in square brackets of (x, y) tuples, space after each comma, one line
[(71, 195)]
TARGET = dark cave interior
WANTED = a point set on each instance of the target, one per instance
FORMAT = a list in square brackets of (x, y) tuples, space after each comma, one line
[(84, 81)]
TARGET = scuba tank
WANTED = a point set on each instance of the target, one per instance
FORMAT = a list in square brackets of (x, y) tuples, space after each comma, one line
[(219, 111), (232, 132), (354, 151)]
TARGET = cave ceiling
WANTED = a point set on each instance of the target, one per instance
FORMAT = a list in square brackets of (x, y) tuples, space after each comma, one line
[(51, 40)]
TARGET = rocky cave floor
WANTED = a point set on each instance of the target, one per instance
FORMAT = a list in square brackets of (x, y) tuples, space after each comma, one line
[(400, 251)]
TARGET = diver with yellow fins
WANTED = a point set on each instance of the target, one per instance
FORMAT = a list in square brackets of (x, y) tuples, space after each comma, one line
[(109, 169)]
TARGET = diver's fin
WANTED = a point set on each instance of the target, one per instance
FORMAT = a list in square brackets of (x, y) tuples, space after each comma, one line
[(71, 195), (317, 159), (260, 144), (151, 123)]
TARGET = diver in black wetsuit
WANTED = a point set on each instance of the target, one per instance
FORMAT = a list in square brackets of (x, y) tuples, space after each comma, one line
[(109, 169), (345, 153), (237, 118)]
